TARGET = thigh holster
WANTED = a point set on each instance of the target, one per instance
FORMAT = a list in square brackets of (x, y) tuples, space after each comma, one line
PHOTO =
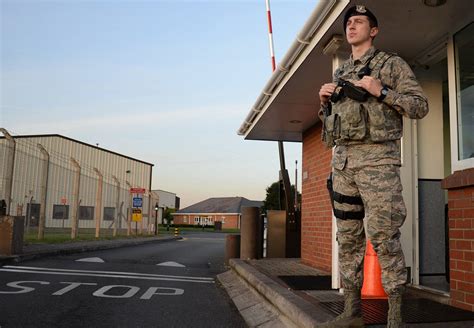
[(351, 200)]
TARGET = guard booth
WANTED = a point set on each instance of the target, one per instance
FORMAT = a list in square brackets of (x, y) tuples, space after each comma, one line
[(436, 38)]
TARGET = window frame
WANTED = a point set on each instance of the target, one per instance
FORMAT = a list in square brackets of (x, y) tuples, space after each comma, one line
[(90, 210), (456, 163), (108, 208), (60, 206)]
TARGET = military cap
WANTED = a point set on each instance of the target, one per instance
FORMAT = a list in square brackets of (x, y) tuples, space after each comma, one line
[(359, 10)]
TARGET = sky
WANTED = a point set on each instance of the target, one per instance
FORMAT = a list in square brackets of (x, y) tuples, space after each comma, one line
[(167, 82)]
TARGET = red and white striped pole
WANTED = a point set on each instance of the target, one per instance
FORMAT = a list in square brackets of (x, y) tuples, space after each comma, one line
[(270, 34), (283, 172)]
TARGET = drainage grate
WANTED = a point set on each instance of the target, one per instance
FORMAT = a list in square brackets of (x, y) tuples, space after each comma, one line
[(307, 282), (413, 311)]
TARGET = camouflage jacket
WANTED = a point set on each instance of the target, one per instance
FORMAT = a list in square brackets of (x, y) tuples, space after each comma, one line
[(369, 132)]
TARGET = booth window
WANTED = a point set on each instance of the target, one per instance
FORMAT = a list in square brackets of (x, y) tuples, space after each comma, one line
[(464, 55)]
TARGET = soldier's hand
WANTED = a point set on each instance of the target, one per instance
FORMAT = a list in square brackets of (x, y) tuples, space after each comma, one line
[(325, 92), (370, 84)]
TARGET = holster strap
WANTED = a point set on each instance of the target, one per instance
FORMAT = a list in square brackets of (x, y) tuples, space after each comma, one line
[(349, 215), (344, 199)]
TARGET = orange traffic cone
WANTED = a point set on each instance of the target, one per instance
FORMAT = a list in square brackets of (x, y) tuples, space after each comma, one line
[(372, 287)]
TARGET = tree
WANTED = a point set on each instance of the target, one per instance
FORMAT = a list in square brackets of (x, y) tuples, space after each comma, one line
[(167, 214), (272, 199)]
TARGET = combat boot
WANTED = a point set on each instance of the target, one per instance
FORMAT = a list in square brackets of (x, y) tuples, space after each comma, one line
[(352, 315), (394, 317)]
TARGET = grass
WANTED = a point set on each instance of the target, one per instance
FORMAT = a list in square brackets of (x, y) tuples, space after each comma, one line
[(56, 236), (63, 235)]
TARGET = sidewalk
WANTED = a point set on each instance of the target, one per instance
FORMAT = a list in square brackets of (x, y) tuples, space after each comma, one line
[(37, 250), (264, 300)]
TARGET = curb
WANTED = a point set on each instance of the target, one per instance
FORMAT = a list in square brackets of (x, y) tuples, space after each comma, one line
[(80, 249), (253, 308), (299, 311)]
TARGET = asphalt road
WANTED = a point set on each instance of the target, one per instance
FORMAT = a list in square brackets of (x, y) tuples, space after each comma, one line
[(167, 284)]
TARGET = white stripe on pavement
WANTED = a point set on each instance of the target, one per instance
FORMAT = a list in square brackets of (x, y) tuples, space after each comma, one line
[(106, 275), (108, 272), (172, 264), (91, 259)]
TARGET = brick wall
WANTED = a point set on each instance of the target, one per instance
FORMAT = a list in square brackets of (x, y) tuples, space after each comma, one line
[(316, 225), (460, 187)]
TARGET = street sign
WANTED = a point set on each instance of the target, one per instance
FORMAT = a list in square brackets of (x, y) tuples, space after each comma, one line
[(137, 202), (136, 214), (137, 190)]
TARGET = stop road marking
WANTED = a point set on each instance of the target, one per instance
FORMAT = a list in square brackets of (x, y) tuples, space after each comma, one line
[(127, 291)]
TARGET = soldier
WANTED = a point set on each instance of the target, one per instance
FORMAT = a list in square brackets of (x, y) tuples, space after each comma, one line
[(362, 117)]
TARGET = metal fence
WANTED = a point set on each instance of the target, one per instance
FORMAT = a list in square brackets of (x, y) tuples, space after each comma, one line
[(61, 190)]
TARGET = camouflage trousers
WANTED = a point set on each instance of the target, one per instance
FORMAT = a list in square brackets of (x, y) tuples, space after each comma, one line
[(381, 191)]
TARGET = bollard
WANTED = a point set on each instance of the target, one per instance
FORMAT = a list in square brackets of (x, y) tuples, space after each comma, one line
[(249, 233), (176, 232), (232, 248), (11, 235)]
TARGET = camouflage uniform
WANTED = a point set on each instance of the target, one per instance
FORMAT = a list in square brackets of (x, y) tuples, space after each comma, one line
[(366, 168)]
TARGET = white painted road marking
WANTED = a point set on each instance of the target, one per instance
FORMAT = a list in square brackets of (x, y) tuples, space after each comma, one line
[(111, 274), (114, 272), (72, 285), (25, 289), (91, 259), (130, 291), (172, 264)]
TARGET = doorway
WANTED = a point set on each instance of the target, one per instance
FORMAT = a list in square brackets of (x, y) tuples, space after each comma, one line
[(434, 163)]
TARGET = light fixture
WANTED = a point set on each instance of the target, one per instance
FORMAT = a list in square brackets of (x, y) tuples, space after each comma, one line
[(434, 3), (333, 45)]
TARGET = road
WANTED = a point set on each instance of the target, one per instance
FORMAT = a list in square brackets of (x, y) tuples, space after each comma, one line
[(167, 284)]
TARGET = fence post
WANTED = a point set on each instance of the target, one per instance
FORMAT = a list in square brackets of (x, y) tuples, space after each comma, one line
[(44, 192), (10, 164), (129, 209), (117, 205), (75, 203), (98, 202)]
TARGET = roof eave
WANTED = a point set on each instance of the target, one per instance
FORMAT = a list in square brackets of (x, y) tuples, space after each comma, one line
[(308, 37)]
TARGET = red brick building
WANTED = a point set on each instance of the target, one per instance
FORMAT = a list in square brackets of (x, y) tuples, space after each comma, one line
[(224, 209), (437, 39)]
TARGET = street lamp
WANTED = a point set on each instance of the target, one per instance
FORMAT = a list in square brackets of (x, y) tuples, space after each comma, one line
[(156, 218)]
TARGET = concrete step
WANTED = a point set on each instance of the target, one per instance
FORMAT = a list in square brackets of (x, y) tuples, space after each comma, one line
[(256, 311), (291, 310)]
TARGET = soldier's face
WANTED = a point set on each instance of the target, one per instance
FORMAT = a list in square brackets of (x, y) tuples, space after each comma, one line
[(358, 30)]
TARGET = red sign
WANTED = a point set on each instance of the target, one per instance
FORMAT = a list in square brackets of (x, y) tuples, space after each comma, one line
[(64, 200), (137, 190)]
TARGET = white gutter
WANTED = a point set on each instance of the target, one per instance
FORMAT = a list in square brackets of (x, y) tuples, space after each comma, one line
[(303, 39)]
